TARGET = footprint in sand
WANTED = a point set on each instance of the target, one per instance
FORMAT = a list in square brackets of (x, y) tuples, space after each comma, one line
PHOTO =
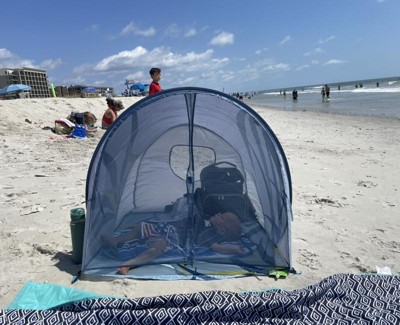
[(367, 184), (309, 259), (314, 199), (354, 263), (328, 201)]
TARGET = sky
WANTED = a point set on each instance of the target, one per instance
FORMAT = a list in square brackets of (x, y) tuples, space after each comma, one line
[(230, 46)]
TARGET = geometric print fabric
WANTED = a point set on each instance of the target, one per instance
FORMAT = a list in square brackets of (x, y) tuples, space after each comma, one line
[(338, 299)]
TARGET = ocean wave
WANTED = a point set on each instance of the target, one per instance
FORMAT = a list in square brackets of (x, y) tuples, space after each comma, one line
[(377, 90)]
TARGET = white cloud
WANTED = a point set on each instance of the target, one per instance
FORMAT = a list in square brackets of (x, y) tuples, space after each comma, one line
[(93, 28), (326, 40), (260, 51), (223, 38), (277, 67), (122, 60), (51, 64), (98, 83), (140, 57), (172, 30), (302, 67), (5, 54), (259, 69), (132, 28), (286, 39), (316, 51), (11, 60), (185, 81), (74, 81), (139, 75), (190, 32), (334, 61)]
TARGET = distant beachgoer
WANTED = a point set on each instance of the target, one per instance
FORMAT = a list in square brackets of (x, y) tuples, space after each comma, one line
[(111, 114), (294, 94), (87, 119), (155, 87), (327, 91), (323, 94)]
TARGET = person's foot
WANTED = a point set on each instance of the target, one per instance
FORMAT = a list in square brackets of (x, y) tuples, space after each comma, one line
[(123, 270)]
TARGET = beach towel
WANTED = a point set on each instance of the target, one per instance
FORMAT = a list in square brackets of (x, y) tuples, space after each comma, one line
[(42, 296), (63, 126), (339, 299)]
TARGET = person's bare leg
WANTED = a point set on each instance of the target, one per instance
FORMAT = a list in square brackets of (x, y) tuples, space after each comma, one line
[(113, 241), (156, 248)]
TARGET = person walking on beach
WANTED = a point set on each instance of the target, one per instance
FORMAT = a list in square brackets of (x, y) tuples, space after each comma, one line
[(327, 91), (155, 74)]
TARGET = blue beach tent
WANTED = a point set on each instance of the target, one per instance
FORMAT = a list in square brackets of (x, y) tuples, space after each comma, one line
[(188, 183), (138, 86)]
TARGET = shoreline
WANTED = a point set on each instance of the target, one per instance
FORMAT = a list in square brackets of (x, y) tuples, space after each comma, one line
[(346, 197), (327, 112)]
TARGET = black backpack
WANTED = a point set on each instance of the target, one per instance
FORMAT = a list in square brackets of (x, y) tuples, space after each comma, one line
[(222, 190)]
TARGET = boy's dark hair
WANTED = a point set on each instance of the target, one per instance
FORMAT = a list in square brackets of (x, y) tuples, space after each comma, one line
[(154, 70)]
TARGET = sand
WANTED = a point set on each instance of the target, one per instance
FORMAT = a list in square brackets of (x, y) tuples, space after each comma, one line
[(346, 198)]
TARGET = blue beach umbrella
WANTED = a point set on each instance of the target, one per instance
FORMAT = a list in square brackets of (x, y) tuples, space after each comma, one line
[(14, 88), (89, 90)]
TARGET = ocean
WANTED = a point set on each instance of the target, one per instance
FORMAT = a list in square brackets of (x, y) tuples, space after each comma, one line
[(373, 97)]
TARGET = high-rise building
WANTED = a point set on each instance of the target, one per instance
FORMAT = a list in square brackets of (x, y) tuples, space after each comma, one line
[(35, 78)]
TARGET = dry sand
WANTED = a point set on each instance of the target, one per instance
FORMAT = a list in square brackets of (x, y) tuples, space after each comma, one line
[(346, 198)]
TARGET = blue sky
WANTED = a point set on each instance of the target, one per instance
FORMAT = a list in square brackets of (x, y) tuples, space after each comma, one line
[(224, 45)]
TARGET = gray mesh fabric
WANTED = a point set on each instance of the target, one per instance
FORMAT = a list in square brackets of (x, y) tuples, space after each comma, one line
[(144, 182)]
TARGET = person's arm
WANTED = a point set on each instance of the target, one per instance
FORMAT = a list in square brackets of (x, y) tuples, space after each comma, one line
[(228, 248), (90, 129)]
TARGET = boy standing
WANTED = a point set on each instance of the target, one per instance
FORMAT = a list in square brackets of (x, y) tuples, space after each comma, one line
[(155, 74)]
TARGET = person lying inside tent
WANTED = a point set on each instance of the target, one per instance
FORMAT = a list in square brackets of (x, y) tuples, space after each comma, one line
[(223, 233), (146, 241)]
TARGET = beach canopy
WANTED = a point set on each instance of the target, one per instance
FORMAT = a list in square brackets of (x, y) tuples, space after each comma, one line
[(138, 86), (188, 183), (14, 88)]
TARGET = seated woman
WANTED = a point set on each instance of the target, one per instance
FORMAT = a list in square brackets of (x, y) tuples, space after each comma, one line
[(111, 114)]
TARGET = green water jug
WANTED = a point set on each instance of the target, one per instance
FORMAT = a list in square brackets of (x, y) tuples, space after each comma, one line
[(77, 233)]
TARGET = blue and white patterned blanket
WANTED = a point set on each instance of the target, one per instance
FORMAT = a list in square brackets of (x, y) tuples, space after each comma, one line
[(339, 299)]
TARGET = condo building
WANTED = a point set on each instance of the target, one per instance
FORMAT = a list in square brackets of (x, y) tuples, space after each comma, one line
[(35, 78)]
